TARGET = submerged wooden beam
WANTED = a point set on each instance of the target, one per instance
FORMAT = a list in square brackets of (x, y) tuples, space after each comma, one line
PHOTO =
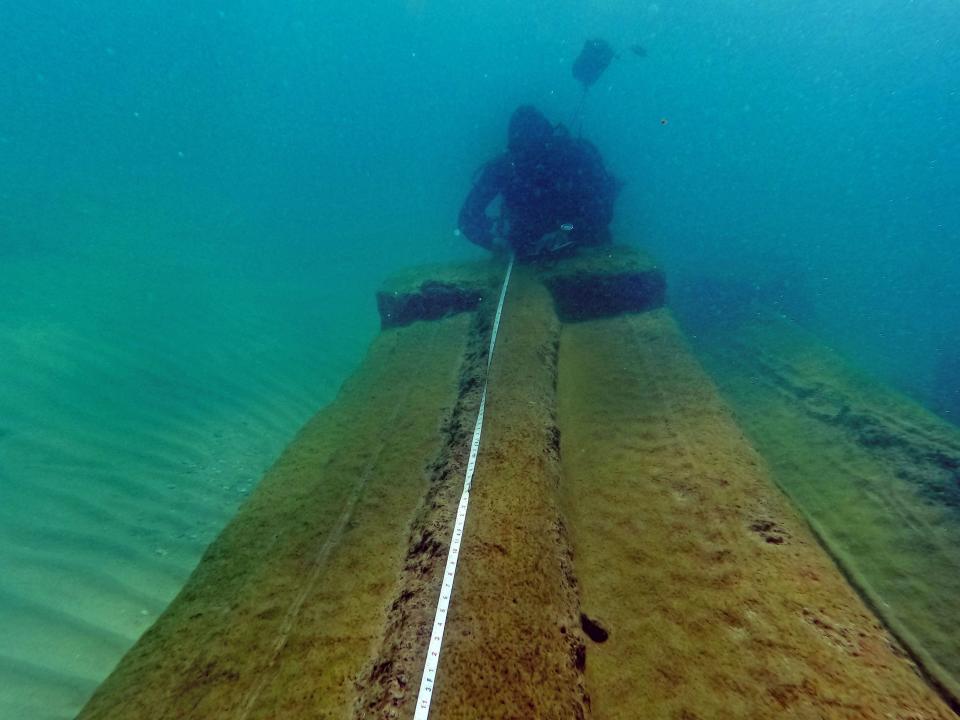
[(515, 649), (716, 597), (286, 606), (625, 555), (433, 292), (597, 282), (605, 281), (875, 473)]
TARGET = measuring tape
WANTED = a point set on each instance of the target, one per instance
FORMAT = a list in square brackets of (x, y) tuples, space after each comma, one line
[(429, 678)]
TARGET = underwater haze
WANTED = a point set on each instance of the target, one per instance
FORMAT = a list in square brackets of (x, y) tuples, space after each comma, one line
[(199, 199)]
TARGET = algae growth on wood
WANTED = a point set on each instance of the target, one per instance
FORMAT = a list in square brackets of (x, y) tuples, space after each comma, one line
[(718, 600), (877, 475), (625, 554)]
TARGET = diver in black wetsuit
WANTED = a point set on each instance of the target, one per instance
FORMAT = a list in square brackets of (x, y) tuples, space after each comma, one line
[(556, 192)]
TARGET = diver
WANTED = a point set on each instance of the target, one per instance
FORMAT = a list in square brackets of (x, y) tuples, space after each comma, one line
[(556, 193)]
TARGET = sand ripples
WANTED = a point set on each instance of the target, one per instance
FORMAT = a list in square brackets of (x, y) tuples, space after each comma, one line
[(134, 421)]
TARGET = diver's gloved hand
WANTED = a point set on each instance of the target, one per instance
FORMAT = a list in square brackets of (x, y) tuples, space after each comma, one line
[(554, 242)]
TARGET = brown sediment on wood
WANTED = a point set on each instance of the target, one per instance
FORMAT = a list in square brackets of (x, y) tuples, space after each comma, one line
[(390, 680), (874, 473), (624, 548), (286, 606), (514, 647), (720, 601)]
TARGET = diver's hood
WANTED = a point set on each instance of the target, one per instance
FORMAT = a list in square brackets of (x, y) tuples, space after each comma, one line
[(529, 129)]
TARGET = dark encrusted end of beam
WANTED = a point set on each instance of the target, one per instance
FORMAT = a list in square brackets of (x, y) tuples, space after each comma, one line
[(603, 282), (435, 292), (431, 301)]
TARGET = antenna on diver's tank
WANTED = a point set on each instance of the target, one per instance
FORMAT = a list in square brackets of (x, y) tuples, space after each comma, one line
[(576, 122), (590, 64)]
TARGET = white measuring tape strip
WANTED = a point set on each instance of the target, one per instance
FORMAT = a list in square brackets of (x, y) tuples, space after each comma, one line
[(446, 589)]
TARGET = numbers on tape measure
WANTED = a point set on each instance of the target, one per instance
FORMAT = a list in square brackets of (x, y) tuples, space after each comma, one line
[(446, 591)]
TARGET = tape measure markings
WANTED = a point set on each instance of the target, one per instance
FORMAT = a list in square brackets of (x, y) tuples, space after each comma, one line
[(429, 677)]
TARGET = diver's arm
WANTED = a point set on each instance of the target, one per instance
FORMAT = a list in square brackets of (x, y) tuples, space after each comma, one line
[(473, 221)]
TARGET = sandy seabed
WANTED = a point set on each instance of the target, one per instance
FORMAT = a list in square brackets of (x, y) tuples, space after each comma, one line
[(140, 402)]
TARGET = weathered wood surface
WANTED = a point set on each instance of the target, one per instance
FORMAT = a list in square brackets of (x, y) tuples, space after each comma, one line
[(625, 554)]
